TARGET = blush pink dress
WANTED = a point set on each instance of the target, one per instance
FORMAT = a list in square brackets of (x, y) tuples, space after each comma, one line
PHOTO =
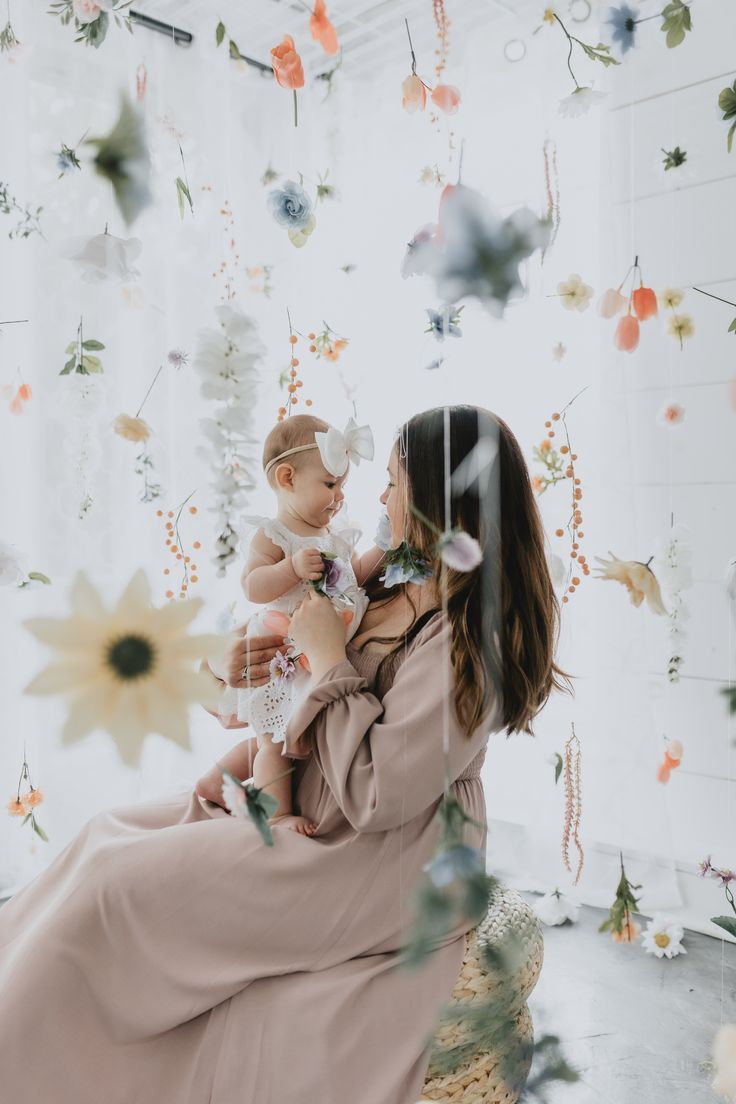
[(167, 956)]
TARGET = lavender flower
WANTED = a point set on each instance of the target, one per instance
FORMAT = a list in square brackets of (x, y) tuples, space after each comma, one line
[(336, 578)]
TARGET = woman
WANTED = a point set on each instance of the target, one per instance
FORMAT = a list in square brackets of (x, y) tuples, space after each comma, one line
[(167, 955)]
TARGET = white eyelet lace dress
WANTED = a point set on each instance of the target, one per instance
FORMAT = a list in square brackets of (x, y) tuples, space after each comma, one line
[(268, 708)]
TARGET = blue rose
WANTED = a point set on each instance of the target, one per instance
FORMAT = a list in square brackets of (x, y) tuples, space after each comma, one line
[(290, 206)]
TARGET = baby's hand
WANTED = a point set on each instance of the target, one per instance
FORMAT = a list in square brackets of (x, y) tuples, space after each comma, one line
[(307, 563)]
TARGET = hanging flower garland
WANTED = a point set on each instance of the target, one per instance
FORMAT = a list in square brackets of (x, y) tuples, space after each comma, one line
[(9, 44), (414, 91), (92, 17), (25, 804), (290, 377), (226, 360), (642, 299), (673, 561), (582, 97), (573, 803), (551, 191), (679, 325), (176, 547), (28, 220)]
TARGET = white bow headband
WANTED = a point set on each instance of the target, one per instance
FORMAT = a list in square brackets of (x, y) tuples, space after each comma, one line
[(337, 449)]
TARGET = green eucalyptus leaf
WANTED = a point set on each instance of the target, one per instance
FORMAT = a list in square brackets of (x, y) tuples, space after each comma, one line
[(39, 577), (558, 766), (71, 347), (92, 344), (39, 830), (219, 33), (68, 367), (91, 364)]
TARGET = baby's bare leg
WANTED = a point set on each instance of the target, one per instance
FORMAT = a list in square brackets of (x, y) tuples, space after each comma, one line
[(268, 764), (238, 761)]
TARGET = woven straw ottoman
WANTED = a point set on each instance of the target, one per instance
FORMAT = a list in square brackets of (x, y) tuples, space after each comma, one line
[(482, 1080)]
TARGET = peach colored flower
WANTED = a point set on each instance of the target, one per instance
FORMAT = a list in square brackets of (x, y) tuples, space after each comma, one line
[(286, 64), (673, 414), (644, 301), (536, 483), (611, 302), (629, 933), (626, 337), (16, 807), (414, 94), (322, 29), (447, 98), (132, 429), (33, 797), (546, 445), (637, 577)]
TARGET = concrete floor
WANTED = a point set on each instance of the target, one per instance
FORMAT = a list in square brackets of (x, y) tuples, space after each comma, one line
[(638, 1029)]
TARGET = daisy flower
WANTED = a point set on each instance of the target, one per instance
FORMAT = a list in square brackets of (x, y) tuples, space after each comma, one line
[(663, 937), (575, 294), (579, 102), (680, 326), (129, 670)]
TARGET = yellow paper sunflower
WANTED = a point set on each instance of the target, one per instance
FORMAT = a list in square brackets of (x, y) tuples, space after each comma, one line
[(130, 670)]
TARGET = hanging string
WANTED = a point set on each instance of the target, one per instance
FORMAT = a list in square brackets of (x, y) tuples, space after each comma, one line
[(444, 597)]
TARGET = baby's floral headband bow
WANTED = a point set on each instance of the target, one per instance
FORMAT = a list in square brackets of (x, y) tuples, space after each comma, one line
[(339, 449)]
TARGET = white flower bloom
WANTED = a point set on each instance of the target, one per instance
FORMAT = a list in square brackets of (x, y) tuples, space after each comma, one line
[(662, 937), (11, 573), (233, 795), (724, 1058), (555, 908), (556, 569), (579, 102), (575, 294), (104, 257), (128, 670)]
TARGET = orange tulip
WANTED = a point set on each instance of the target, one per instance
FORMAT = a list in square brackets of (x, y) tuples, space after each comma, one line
[(645, 303), (414, 94), (447, 98), (287, 65), (626, 337), (321, 28), (629, 932)]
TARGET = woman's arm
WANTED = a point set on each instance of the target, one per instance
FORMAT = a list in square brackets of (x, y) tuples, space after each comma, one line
[(383, 760)]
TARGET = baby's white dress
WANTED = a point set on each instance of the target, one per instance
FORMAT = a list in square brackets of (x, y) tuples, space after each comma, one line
[(268, 708)]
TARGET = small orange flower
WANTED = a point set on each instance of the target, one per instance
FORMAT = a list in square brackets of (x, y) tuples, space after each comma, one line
[(629, 933), (546, 445), (536, 483), (16, 807), (414, 94), (447, 98), (33, 797), (626, 337), (287, 65), (645, 303), (322, 29)]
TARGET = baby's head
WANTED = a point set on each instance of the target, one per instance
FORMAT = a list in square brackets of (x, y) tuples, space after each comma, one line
[(302, 483)]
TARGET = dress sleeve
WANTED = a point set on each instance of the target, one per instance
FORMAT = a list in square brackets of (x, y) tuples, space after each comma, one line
[(383, 760)]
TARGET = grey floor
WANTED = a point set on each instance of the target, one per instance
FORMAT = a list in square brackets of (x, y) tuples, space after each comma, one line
[(638, 1029)]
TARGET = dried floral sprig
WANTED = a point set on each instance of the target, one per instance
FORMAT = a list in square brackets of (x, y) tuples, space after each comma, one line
[(680, 325), (232, 46), (725, 877), (431, 174), (28, 218), (82, 360), (264, 274), (8, 41), (67, 159), (601, 52), (175, 546), (573, 802), (183, 193), (92, 31), (552, 193), (673, 561), (289, 378), (727, 104), (674, 158), (643, 300), (25, 804), (552, 461), (228, 268), (619, 922)]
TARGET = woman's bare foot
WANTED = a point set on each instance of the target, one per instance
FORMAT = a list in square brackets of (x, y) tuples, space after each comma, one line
[(296, 823)]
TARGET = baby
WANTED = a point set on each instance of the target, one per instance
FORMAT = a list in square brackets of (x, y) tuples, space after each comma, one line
[(306, 463)]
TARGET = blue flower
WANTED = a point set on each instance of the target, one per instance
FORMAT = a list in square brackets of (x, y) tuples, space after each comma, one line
[(290, 206), (623, 20)]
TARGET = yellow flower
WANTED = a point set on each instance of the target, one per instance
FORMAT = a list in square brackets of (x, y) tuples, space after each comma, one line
[(637, 577), (680, 326), (132, 429), (128, 670), (671, 297), (549, 15), (16, 807)]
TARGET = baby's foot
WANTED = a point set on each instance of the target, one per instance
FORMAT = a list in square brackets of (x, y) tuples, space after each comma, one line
[(209, 786), (296, 823)]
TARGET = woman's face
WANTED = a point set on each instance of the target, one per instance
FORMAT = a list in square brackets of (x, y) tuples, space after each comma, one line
[(394, 499)]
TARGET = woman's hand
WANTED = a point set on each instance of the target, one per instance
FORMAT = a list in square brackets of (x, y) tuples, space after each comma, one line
[(252, 655), (318, 630)]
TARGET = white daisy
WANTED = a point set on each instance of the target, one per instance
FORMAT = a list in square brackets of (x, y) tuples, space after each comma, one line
[(104, 257), (662, 937), (129, 670)]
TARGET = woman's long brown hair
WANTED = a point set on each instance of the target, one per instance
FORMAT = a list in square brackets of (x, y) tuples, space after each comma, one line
[(504, 614)]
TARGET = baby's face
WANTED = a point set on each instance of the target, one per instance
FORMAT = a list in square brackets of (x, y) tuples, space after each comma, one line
[(317, 494)]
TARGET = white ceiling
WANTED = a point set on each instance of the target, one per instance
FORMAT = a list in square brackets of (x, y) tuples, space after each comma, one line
[(371, 32)]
